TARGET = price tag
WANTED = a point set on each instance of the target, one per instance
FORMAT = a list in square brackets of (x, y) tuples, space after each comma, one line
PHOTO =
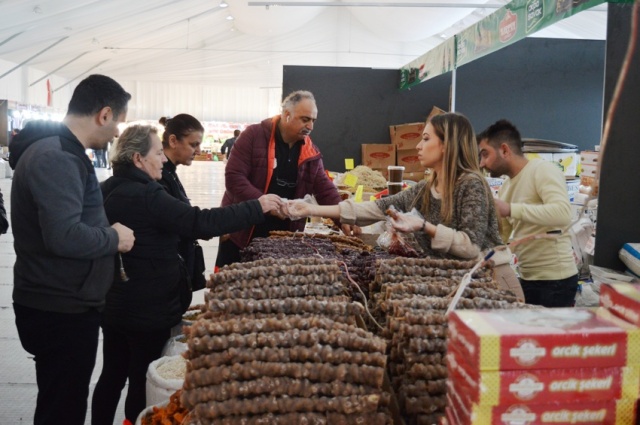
[(350, 180), (372, 198), (348, 164), (358, 195)]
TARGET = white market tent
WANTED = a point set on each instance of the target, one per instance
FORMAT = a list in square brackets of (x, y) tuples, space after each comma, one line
[(189, 56)]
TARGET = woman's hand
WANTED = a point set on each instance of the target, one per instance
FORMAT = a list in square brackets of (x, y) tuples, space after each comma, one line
[(408, 223), (270, 202), (351, 230), (299, 209)]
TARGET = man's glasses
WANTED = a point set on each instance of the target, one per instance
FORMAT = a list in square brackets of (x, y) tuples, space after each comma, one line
[(284, 183)]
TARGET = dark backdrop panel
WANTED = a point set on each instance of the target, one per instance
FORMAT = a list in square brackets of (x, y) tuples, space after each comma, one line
[(549, 88), (619, 196), (357, 105)]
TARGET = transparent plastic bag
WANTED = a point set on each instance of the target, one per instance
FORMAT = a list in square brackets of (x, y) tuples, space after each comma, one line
[(293, 212), (395, 242)]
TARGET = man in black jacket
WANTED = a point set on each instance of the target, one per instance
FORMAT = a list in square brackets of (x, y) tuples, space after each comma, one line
[(64, 245), (228, 144)]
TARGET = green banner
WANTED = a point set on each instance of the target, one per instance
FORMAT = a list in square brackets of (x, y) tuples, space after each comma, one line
[(437, 61), (503, 27), (512, 23)]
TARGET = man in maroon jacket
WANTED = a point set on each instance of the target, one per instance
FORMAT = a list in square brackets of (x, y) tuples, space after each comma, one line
[(276, 156)]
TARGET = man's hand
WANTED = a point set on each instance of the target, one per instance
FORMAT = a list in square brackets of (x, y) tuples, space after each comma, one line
[(504, 208), (270, 203), (125, 237)]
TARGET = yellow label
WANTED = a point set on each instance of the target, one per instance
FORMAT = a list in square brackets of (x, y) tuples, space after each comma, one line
[(358, 195), (348, 163), (350, 180), (372, 198)]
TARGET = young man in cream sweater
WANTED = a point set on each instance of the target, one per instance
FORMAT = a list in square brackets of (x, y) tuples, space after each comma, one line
[(533, 200)]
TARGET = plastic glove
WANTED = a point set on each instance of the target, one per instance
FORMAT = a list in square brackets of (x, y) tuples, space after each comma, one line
[(407, 223)]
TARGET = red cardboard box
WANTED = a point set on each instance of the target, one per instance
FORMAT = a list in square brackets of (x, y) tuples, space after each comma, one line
[(378, 156), (408, 158), (542, 385), (406, 136), (549, 338), (623, 299), (613, 412)]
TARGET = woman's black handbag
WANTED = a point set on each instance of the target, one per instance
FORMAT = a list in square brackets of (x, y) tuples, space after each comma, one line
[(198, 281)]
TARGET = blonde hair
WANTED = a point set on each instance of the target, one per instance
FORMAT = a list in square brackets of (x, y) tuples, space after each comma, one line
[(460, 158), (134, 139)]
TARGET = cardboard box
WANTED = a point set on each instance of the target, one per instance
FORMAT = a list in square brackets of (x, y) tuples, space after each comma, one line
[(406, 136), (544, 339), (415, 176), (588, 170), (378, 156), (568, 162), (435, 111), (383, 171), (409, 159), (536, 155), (623, 299), (589, 157), (611, 411), (491, 388)]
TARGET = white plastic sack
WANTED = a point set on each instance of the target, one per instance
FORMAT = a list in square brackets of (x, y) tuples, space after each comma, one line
[(175, 346), (159, 389)]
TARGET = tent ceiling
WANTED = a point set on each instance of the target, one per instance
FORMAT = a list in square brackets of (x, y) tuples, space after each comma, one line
[(192, 41)]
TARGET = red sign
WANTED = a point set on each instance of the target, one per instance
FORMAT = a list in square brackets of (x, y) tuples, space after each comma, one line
[(379, 155), (508, 26)]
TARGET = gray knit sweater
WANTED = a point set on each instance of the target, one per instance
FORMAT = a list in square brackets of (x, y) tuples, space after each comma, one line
[(473, 213)]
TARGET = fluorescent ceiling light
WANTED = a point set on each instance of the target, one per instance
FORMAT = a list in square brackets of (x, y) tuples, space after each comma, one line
[(224, 4)]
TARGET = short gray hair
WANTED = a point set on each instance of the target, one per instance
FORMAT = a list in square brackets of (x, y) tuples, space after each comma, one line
[(296, 97), (134, 139)]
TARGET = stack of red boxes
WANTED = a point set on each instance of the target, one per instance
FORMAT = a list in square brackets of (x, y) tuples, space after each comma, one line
[(623, 300), (539, 366)]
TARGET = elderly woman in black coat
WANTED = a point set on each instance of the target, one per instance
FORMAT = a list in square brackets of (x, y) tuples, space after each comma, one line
[(143, 303)]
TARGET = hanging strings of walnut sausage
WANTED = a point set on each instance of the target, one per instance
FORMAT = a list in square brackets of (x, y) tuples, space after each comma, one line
[(291, 338), (280, 386), (271, 341), (329, 418), (320, 354), (257, 405), (276, 323)]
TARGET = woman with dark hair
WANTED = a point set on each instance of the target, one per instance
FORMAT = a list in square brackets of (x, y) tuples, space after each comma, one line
[(144, 301), (181, 143)]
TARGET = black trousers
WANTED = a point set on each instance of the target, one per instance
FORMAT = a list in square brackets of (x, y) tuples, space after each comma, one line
[(228, 253), (551, 293), (127, 355), (64, 347)]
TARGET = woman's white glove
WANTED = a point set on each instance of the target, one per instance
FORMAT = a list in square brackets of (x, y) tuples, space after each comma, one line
[(408, 223), (298, 209)]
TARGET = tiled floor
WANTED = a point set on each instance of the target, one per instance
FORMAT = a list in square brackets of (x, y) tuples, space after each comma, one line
[(204, 183)]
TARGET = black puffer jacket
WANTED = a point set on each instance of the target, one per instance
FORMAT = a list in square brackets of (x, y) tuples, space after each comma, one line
[(149, 300)]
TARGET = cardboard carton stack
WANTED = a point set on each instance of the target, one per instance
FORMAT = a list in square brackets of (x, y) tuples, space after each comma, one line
[(589, 163), (405, 137), (562, 366), (379, 156)]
